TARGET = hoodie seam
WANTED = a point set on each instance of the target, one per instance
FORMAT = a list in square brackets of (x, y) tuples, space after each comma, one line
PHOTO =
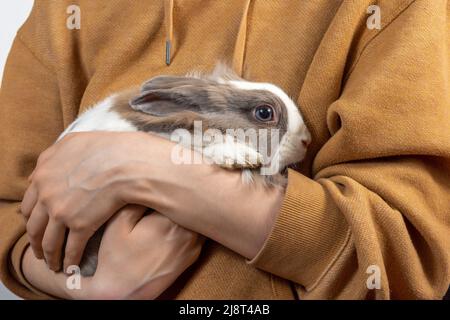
[(370, 40), (34, 55)]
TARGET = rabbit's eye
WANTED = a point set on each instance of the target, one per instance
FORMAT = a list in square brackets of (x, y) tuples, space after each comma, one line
[(264, 113)]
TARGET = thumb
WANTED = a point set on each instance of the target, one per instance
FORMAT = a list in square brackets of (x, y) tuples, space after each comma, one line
[(125, 219)]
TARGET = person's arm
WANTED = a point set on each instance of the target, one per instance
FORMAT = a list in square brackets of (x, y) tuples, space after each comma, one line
[(30, 120)]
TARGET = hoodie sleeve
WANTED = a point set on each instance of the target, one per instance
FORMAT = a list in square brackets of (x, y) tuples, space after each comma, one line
[(30, 119), (374, 221)]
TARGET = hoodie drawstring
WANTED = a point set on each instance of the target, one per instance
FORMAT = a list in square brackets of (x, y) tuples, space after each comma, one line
[(168, 21), (239, 47)]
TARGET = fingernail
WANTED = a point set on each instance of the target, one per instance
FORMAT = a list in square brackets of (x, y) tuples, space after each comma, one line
[(66, 267), (55, 268), (38, 255)]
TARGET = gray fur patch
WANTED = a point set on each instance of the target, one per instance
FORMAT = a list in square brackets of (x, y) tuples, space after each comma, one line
[(222, 105)]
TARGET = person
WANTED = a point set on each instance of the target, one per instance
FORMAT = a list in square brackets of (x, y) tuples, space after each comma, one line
[(364, 216)]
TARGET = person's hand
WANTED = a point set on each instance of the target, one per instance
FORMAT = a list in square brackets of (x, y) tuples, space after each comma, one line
[(140, 256), (79, 183)]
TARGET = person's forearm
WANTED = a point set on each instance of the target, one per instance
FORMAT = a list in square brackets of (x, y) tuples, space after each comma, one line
[(211, 201), (42, 278)]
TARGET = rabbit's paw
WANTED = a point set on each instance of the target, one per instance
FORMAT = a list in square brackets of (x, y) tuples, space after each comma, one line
[(233, 156)]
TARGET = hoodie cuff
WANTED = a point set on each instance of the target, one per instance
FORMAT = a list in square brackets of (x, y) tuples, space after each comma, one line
[(16, 269), (308, 234), (13, 243)]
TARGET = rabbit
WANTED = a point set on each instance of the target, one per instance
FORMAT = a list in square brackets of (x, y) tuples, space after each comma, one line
[(241, 113)]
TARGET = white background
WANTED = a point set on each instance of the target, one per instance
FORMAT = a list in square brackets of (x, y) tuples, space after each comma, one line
[(12, 15)]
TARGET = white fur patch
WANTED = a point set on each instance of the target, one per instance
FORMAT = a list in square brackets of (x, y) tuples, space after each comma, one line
[(100, 118)]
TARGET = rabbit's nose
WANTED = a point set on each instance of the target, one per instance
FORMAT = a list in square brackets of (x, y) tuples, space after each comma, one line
[(306, 140)]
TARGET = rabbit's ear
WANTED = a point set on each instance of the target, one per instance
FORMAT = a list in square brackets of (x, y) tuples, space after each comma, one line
[(164, 95), (150, 102), (169, 82)]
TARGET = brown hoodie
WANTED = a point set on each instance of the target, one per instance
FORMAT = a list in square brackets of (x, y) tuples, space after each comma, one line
[(373, 195)]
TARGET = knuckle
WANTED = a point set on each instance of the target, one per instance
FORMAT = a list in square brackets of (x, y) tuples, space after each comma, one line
[(57, 213), (25, 213), (32, 232), (48, 248), (78, 226), (45, 198), (55, 207)]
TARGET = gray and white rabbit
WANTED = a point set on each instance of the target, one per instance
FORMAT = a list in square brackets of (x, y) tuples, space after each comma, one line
[(247, 116)]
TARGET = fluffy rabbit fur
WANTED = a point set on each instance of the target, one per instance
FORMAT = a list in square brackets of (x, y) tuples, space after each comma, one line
[(220, 100)]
